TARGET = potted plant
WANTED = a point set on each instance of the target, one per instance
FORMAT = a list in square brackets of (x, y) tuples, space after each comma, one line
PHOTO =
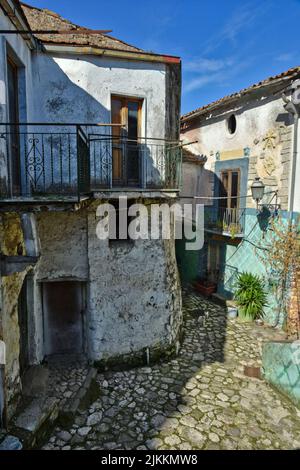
[(232, 309), (250, 296)]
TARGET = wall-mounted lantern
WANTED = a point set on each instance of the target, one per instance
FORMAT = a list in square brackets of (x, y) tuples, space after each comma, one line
[(257, 190)]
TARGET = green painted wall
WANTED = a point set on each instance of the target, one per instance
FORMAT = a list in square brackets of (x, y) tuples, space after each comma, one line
[(187, 261), (281, 368)]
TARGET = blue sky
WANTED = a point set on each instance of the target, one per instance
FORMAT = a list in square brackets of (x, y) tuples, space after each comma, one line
[(225, 45)]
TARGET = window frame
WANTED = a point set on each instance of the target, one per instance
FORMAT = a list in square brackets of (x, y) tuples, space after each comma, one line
[(230, 171)]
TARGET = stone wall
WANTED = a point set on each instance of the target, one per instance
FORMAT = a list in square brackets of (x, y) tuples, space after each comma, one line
[(11, 242), (135, 303), (270, 159)]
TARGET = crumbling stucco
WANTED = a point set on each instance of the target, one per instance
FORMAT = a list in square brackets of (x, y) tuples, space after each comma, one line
[(12, 243), (133, 291)]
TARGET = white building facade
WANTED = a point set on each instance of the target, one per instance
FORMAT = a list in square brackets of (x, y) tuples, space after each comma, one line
[(64, 291)]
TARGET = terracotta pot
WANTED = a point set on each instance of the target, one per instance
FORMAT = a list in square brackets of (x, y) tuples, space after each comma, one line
[(253, 372), (206, 290)]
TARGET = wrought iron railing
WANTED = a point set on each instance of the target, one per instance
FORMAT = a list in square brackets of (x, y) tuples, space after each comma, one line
[(67, 161), (146, 163), (44, 162), (224, 220)]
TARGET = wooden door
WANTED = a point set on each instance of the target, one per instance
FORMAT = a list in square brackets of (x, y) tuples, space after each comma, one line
[(63, 307), (126, 154)]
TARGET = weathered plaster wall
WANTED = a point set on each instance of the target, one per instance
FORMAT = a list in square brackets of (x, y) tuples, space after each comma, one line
[(196, 181), (63, 239), (16, 46), (11, 239), (135, 303), (264, 127), (133, 294), (173, 101), (78, 89)]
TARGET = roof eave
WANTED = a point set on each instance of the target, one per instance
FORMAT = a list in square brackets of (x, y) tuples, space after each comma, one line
[(16, 15), (231, 99), (122, 54)]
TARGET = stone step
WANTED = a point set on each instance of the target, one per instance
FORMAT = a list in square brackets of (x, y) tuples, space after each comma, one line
[(86, 395), (35, 382), (34, 420), (10, 443)]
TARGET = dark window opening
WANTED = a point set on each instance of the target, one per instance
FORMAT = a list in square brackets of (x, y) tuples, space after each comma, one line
[(231, 124), (121, 225)]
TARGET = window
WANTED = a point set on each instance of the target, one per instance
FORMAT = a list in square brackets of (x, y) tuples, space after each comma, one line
[(115, 221), (231, 124), (229, 188), (126, 164)]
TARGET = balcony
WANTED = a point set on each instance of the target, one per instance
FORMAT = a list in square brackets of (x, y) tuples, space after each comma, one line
[(228, 222), (70, 162)]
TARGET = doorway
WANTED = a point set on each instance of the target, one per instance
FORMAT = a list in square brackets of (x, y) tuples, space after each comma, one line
[(126, 164), (63, 307), (23, 328)]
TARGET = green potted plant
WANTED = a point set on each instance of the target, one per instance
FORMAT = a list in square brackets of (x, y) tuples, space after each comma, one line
[(250, 296)]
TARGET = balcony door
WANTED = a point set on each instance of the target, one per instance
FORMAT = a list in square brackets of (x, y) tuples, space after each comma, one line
[(13, 115), (126, 152), (230, 189)]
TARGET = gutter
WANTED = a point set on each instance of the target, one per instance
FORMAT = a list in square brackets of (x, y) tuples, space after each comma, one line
[(95, 51)]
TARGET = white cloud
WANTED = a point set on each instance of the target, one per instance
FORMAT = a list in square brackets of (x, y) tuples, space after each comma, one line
[(285, 57), (221, 77), (204, 65), (241, 19), (199, 82)]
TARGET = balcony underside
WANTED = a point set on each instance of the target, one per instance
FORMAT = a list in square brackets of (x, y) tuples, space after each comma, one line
[(73, 203), (225, 234)]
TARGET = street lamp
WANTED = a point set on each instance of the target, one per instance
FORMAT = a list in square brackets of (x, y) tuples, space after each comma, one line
[(257, 190)]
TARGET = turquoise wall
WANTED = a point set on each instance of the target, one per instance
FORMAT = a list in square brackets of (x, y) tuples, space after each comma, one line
[(244, 257), (281, 368)]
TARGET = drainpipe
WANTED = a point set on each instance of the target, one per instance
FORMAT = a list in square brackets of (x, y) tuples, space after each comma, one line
[(294, 165), (292, 108)]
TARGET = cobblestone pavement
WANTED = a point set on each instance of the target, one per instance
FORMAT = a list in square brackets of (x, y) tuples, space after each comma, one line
[(65, 378), (199, 400)]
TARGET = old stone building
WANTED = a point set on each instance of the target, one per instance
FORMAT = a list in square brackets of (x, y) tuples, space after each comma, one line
[(64, 291), (248, 135)]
